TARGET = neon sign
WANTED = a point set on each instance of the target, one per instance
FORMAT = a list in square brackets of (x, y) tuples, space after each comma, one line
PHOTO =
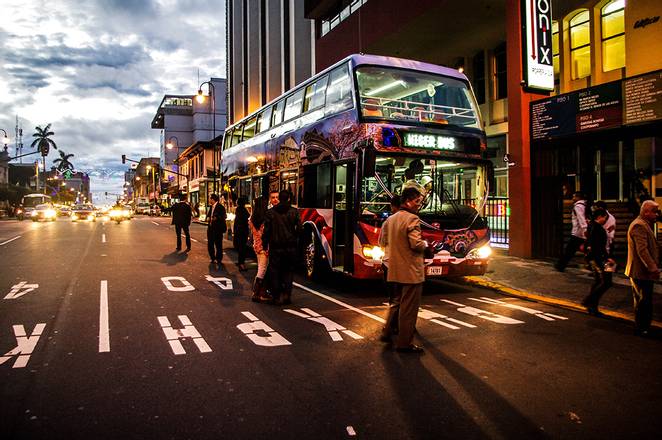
[(429, 141), (537, 44)]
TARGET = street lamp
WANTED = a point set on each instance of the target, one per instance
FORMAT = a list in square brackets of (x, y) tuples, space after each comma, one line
[(201, 98), (152, 169), (5, 139), (169, 144)]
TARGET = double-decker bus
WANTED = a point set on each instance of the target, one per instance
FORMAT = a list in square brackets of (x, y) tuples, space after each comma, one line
[(348, 139)]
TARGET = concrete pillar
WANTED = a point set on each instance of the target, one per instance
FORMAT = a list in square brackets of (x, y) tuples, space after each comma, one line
[(274, 55), (253, 55), (236, 58)]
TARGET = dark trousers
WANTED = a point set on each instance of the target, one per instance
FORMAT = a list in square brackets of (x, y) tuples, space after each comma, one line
[(178, 231), (571, 249), (215, 244), (240, 242), (280, 272), (406, 301), (390, 290), (642, 293), (601, 283)]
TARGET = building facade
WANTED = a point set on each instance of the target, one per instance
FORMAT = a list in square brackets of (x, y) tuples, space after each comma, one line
[(270, 49)]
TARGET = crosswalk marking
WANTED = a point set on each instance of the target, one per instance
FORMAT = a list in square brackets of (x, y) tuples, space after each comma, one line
[(483, 314), (25, 345), (173, 335), (537, 313), (10, 240), (333, 328)]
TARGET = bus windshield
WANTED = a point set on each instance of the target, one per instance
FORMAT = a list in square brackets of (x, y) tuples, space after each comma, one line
[(403, 95), (452, 188)]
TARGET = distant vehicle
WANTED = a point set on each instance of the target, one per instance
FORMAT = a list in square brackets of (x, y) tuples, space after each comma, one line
[(28, 204), (83, 212), (119, 213), (154, 210), (64, 211), (142, 208), (45, 211), (129, 209)]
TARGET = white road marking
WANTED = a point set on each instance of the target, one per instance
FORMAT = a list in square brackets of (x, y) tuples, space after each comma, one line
[(347, 306), (103, 238), (104, 330), (538, 313), (156, 223), (193, 239), (185, 287), (483, 314), (250, 328), (173, 336), (333, 328), (438, 318), (351, 431), (10, 240), (24, 345), (20, 289), (222, 282)]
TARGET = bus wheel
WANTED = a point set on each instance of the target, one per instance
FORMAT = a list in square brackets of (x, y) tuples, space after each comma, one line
[(312, 257)]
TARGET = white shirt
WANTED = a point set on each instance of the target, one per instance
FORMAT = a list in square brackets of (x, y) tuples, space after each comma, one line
[(579, 224), (610, 228)]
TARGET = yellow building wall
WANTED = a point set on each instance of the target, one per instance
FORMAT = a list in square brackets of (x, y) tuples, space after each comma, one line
[(642, 44)]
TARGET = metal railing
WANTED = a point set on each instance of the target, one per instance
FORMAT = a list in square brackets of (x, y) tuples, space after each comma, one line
[(497, 214)]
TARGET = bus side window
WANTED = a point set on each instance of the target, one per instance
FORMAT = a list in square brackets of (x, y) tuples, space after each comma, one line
[(236, 135), (277, 116), (249, 129), (264, 120), (315, 94), (293, 105), (339, 91)]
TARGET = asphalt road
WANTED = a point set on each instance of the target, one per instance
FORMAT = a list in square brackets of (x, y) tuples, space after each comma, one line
[(108, 333)]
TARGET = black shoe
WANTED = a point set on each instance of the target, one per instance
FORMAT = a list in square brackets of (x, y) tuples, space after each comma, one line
[(188, 249), (593, 311), (385, 338), (212, 261), (178, 249), (410, 349)]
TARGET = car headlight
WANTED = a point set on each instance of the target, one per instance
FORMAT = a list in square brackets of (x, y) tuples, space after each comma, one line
[(90, 217), (74, 216), (373, 252), (481, 253), (125, 213), (33, 213), (50, 213), (18, 211), (112, 214)]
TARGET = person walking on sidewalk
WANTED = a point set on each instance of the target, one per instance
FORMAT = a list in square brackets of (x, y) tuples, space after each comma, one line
[(599, 260), (578, 234), (181, 218), (256, 224), (401, 235), (642, 265), (281, 230), (215, 229), (240, 232), (609, 226)]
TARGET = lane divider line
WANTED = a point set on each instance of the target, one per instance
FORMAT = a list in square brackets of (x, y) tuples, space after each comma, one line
[(104, 330), (155, 223), (10, 240), (347, 306), (103, 238), (193, 239)]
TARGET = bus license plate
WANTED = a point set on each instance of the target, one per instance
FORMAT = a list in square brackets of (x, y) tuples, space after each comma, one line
[(434, 270)]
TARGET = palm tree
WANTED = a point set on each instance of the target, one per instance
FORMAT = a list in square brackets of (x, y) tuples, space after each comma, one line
[(63, 162), (43, 143)]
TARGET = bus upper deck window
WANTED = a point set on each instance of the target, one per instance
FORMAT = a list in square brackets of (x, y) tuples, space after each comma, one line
[(339, 90), (315, 94), (264, 120), (277, 116), (249, 129), (293, 105)]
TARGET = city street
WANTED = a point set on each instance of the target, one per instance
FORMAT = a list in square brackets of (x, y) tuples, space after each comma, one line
[(107, 332)]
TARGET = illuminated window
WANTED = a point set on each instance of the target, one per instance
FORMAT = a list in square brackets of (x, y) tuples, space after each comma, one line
[(580, 45), (555, 49), (613, 35)]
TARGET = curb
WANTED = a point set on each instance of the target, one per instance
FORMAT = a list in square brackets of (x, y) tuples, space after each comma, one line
[(476, 281)]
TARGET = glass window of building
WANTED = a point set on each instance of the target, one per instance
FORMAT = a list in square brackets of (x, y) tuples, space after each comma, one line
[(500, 72), (293, 105), (556, 60), (613, 35), (479, 77), (580, 45)]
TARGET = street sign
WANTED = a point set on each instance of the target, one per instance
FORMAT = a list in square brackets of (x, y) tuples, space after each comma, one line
[(537, 49)]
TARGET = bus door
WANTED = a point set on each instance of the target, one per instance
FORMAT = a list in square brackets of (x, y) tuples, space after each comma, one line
[(343, 231), (288, 181)]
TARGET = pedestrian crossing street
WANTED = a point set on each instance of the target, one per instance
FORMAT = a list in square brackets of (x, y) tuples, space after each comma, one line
[(325, 317)]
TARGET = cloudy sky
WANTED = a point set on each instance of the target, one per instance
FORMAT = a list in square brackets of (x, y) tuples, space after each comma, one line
[(97, 70)]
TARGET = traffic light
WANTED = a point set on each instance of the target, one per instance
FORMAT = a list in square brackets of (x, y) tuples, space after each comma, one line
[(124, 158), (106, 192)]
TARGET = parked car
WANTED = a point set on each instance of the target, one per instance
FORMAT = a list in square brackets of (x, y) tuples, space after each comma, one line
[(45, 211), (154, 210), (83, 212), (142, 208)]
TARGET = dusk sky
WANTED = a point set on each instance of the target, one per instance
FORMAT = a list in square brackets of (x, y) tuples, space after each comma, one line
[(98, 69)]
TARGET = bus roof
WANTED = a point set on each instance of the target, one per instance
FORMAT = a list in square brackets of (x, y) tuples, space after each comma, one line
[(37, 195), (362, 59)]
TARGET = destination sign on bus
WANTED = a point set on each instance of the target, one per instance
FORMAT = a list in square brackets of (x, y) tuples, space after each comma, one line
[(419, 140)]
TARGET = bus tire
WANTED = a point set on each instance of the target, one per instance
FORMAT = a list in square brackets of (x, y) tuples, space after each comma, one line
[(315, 266)]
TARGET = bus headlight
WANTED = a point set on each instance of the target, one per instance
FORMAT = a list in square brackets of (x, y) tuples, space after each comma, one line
[(50, 213), (373, 252), (481, 253)]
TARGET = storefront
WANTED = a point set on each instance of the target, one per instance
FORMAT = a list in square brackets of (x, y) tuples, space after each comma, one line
[(601, 141)]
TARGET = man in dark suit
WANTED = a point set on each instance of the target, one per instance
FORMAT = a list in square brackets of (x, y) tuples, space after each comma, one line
[(215, 229), (181, 218)]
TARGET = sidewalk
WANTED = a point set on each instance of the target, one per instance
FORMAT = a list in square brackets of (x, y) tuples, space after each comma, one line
[(537, 280)]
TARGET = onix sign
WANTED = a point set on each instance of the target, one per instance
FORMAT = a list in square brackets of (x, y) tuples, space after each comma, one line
[(537, 44)]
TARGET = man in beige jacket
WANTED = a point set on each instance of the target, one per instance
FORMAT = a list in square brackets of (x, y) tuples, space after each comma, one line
[(404, 248), (642, 266)]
